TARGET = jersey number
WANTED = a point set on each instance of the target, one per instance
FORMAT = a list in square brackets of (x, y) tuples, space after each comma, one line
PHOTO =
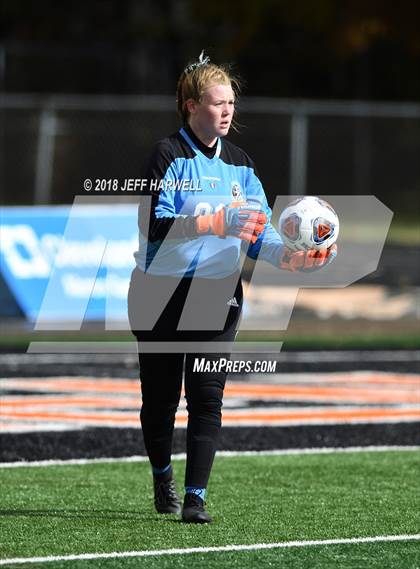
[(204, 208)]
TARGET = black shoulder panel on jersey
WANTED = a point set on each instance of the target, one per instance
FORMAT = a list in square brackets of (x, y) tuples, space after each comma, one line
[(232, 154), (164, 153), (154, 169)]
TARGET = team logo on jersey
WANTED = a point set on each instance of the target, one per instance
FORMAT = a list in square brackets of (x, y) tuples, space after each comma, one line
[(212, 181), (236, 192)]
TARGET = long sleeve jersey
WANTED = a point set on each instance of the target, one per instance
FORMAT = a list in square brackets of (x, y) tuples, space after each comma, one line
[(183, 179)]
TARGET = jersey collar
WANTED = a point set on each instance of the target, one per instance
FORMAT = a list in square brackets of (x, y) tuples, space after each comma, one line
[(197, 150)]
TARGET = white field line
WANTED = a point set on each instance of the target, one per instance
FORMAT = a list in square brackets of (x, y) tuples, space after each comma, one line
[(220, 454), (185, 551)]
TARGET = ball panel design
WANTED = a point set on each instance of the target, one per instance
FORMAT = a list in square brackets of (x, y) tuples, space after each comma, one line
[(309, 223)]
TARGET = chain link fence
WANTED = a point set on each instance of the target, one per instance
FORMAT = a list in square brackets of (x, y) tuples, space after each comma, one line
[(49, 145)]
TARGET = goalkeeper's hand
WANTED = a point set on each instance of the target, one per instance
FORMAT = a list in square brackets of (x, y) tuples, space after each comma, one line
[(307, 261), (238, 219)]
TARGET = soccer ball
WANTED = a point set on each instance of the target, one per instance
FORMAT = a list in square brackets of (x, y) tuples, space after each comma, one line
[(308, 223)]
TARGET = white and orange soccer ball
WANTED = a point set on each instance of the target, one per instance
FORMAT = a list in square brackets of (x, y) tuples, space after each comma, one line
[(309, 223)]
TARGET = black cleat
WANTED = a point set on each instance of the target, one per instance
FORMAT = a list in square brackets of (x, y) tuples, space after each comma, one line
[(166, 498), (193, 511)]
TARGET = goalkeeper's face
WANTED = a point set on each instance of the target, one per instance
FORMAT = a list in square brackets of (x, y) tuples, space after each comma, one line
[(212, 116)]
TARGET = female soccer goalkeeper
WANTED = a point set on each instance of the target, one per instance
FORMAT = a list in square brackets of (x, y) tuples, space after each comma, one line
[(205, 203)]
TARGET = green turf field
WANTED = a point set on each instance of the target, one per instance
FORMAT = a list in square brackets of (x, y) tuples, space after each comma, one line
[(404, 336), (106, 507)]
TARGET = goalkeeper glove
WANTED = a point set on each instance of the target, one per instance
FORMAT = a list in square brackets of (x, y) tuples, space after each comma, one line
[(239, 220), (307, 261)]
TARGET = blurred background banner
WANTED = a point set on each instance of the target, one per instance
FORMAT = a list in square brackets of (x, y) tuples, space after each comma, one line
[(62, 263)]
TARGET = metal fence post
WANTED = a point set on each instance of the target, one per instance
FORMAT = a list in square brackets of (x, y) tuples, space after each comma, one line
[(298, 153), (45, 156)]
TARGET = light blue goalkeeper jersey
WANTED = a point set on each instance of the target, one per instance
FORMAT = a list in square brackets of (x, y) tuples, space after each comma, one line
[(182, 181)]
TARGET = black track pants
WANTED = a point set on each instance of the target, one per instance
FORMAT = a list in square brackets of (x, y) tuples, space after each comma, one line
[(161, 374)]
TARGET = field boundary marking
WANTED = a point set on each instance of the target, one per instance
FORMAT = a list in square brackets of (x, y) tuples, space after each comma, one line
[(191, 550), (220, 454)]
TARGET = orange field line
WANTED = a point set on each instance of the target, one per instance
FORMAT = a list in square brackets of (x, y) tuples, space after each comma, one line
[(130, 386), (342, 393), (270, 388), (308, 414), (99, 386), (69, 401), (285, 393), (244, 390), (323, 413)]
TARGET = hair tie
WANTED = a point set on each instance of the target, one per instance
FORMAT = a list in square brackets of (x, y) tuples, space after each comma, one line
[(202, 60)]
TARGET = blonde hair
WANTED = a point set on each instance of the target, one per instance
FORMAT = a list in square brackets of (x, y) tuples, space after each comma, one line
[(195, 79)]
